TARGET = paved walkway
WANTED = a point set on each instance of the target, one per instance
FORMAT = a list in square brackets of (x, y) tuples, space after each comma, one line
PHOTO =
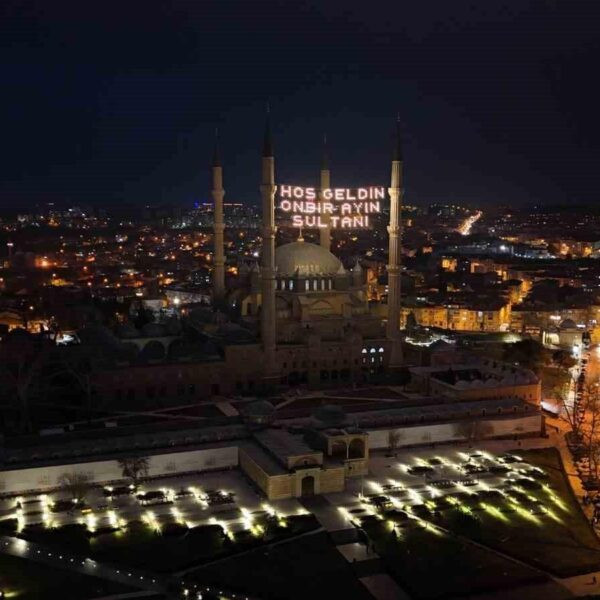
[(355, 551), (84, 566), (327, 514), (227, 409), (142, 594), (379, 584), (145, 581), (560, 443), (383, 587)]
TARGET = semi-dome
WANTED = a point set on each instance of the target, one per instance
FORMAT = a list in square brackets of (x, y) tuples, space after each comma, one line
[(568, 324), (305, 258)]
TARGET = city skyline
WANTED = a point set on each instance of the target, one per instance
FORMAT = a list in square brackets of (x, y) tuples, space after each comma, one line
[(299, 300)]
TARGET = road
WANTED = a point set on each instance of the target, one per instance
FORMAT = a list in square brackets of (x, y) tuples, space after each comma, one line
[(467, 225)]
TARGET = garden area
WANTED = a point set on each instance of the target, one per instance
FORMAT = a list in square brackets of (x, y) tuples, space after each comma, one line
[(431, 564), (560, 541), (23, 579), (166, 548), (307, 567)]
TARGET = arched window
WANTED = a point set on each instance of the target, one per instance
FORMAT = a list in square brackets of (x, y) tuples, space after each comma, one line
[(372, 350), (291, 284), (364, 350), (380, 349), (356, 449), (315, 283), (306, 285)]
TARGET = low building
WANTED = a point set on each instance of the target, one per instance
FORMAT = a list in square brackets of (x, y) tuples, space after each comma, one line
[(478, 380), (307, 445), (488, 315)]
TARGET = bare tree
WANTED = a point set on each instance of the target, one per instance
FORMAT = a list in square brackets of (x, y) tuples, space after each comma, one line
[(76, 484), (394, 438), (473, 431), (135, 468), (83, 365), (22, 363), (568, 412), (590, 426)]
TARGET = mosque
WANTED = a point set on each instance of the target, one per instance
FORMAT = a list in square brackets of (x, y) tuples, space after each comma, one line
[(305, 319), (310, 313)]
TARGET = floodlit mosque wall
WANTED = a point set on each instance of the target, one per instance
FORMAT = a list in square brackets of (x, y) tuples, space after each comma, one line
[(459, 431), (43, 478)]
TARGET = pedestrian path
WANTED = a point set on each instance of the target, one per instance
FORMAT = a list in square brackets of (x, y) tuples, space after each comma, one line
[(227, 409), (383, 587), (366, 564), (144, 594), (84, 566)]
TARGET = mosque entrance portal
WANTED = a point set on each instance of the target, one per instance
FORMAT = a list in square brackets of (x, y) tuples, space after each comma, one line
[(308, 486)]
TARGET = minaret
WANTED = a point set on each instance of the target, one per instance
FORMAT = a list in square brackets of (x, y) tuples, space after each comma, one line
[(395, 191), (267, 270), (219, 226), (325, 183)]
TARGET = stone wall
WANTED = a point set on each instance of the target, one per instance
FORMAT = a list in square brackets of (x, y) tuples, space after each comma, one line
[(458, 431), (100, 472)]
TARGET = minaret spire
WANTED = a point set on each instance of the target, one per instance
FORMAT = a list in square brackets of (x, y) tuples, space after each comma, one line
[(267, 271), (325, 183), (267, 140), (397, 155), (394, 230), (324, 156), (219, 225), (216, 162)]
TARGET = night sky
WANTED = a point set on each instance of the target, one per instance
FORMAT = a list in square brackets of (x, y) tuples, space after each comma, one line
[(110, 102)]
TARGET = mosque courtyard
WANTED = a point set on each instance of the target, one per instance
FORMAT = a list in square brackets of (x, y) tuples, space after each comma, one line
[(494, 517)]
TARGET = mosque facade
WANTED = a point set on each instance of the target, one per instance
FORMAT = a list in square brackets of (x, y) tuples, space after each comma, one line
[(312, 314)]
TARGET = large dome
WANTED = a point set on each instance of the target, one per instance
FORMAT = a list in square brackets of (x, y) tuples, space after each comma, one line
[(306, 258)]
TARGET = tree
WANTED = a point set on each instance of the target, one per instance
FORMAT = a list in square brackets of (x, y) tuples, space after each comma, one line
[(135, 468), (527, 353), (568, 412), (563, 359), (143, 317), (473, 431), (411, 322), (76, 484), (590, 426), (23, 362), (394, 437), (82, 364)]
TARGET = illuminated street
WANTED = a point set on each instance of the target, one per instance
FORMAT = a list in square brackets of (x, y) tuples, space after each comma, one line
[(467, 225)]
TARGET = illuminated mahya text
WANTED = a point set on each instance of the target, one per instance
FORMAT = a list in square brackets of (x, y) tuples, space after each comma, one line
[(338, 208)]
